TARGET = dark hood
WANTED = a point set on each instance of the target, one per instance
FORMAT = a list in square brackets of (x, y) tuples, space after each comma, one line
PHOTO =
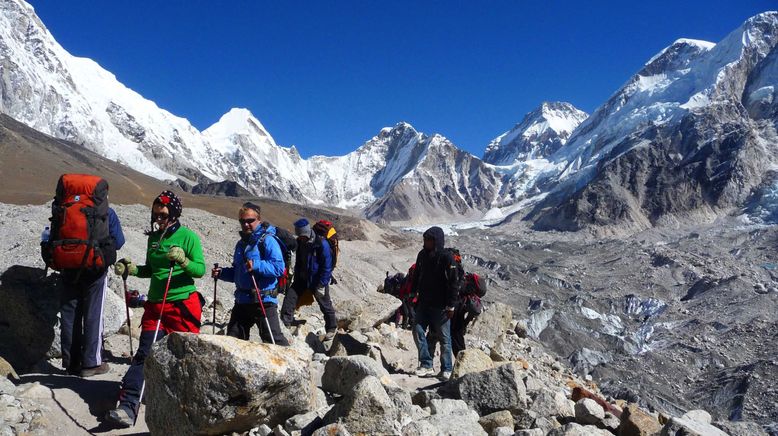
[(437, 234)]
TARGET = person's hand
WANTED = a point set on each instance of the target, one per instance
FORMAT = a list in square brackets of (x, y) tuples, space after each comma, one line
[(125, 265), (216, 272), (177, 255), (249, 265), (449, 312)]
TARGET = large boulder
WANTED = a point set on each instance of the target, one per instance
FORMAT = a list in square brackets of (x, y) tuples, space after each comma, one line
[(114, 313), (341, 374), (471, 360), (587, 411), (463, 422), (575, 429), (552, 403), (690, 427), (490, 391), (492, 323), (355, 314), (367, 409), (206, 384), (28, 315), (493, 421)]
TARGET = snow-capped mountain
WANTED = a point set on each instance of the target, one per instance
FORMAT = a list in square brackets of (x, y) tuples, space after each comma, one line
[(692, 133), (74, 98), (541, 133)]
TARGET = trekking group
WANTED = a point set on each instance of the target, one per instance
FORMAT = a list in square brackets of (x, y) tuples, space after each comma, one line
[(85, 235), (439, 299)]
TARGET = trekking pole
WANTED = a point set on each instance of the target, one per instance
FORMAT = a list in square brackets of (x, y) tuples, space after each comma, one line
[(215, 279), (259, 297), (127, 307), (159, 322)]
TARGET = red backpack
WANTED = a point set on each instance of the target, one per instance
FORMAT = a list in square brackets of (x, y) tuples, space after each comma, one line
[(325, 229), (80, 238)]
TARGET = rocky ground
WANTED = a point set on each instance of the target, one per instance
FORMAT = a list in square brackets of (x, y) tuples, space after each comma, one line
[(670, 320)]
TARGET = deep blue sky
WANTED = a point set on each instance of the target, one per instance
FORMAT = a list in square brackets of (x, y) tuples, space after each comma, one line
[(327, 75)]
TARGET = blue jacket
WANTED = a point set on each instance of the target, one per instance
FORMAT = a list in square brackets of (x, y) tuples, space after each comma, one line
[(268, 263), (115, 228), (319, 271)]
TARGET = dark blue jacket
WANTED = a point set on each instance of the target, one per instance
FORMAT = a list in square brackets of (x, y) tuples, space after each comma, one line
[(268, 263), (319, 263), (115, 228)]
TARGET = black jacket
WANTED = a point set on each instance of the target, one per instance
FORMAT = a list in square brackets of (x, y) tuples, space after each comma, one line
[(435, 274)]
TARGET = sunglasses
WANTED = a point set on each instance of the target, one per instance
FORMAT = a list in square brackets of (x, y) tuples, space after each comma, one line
[(246, 221), (161, 216)]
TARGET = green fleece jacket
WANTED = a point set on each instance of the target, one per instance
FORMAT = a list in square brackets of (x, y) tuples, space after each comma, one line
[(157, 264)]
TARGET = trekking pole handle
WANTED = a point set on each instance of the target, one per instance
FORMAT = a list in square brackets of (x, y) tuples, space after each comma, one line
[(126, 272)]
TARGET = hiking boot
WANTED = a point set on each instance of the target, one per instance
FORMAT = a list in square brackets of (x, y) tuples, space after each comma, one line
[(297, 322), (444, 375), (95, 370), (424, 372), (330, 335), (121, 417)]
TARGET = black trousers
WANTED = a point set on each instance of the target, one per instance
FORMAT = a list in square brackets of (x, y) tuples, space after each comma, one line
[(322, 297), (458, 327), (245, 316), (81, 323)]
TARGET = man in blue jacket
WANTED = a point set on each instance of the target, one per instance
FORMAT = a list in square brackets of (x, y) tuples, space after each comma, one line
[(257, 253), (312, 273)]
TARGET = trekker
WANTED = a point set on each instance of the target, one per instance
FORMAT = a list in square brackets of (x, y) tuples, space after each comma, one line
[(173, 255), (81, 303), (468, 307), (257, 253), (312, 273), (434, 284)]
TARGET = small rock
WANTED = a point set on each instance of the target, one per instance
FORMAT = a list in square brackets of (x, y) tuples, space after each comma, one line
[(575, 429), (332, 430), (469, 361), (550, 403), (264, 430), (424, 398), (448, 407), (530, 432), (502, 431), (636, 422), (341, 374), (611, 422), (496, 389), (493, 421), (681, 426), (587, 411), (279, 431), (521, 328), (367, 408)]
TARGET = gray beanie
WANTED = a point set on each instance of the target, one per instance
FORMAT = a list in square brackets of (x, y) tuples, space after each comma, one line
[(303, 228)]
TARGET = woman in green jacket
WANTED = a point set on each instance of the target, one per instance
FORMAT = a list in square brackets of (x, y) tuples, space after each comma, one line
[(173, 251)]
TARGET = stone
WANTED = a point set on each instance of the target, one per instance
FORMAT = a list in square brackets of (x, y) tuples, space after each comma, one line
[(575, 429), (521, 328), (610, 422), (550, 403), (587, 411), (636, 422), (524, 419), (530, 432), (493, 390), (462, 423), (279, 431), (493, 421), (6, 386), (688, 427), (366, 409), (345, 344), (354, 314), (7, 371), (502, 431), (471, 360), (306, 422), (341, 374), (332, 430), (114, 313), (264, 430), (698, 415), (208, 384), (491, 323), (28, 315), (424, 398), (447, 406)]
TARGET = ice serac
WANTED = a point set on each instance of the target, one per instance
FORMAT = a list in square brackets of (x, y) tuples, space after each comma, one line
[(691, 135), (541, 133)]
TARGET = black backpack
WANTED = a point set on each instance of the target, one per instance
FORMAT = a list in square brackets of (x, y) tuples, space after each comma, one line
[(393, 283), (457, 270), (475, 285)]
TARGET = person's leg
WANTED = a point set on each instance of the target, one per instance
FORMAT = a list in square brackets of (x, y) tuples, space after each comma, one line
[(458, 331), (322, 297), (94, 297), (444, 335), (419, 333), (288, 306), (71, 352), (272, 318), (241, 320)]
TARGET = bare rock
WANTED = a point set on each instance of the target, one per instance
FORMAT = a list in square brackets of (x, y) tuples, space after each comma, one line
[(207, 384), (550, 403), (346, 344), (587, 411), (7, 371), (492, 323), (502, 431), (741, 428), (469, 361), (575, 429), (332, 430), (424, 398), (341, 374), (698, 415), (530, 432), (461, 423), (356, 314), (493, 421), (448, 407), (521, 328), (636, 422), (688, 427), (366, 409), (493, 390)]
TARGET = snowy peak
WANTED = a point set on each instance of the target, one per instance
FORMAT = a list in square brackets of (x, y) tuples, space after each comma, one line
[(538, 135), (227, 133), (676, 56)]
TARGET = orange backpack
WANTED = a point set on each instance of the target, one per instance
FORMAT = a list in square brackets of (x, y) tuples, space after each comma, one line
[(80, 238)]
